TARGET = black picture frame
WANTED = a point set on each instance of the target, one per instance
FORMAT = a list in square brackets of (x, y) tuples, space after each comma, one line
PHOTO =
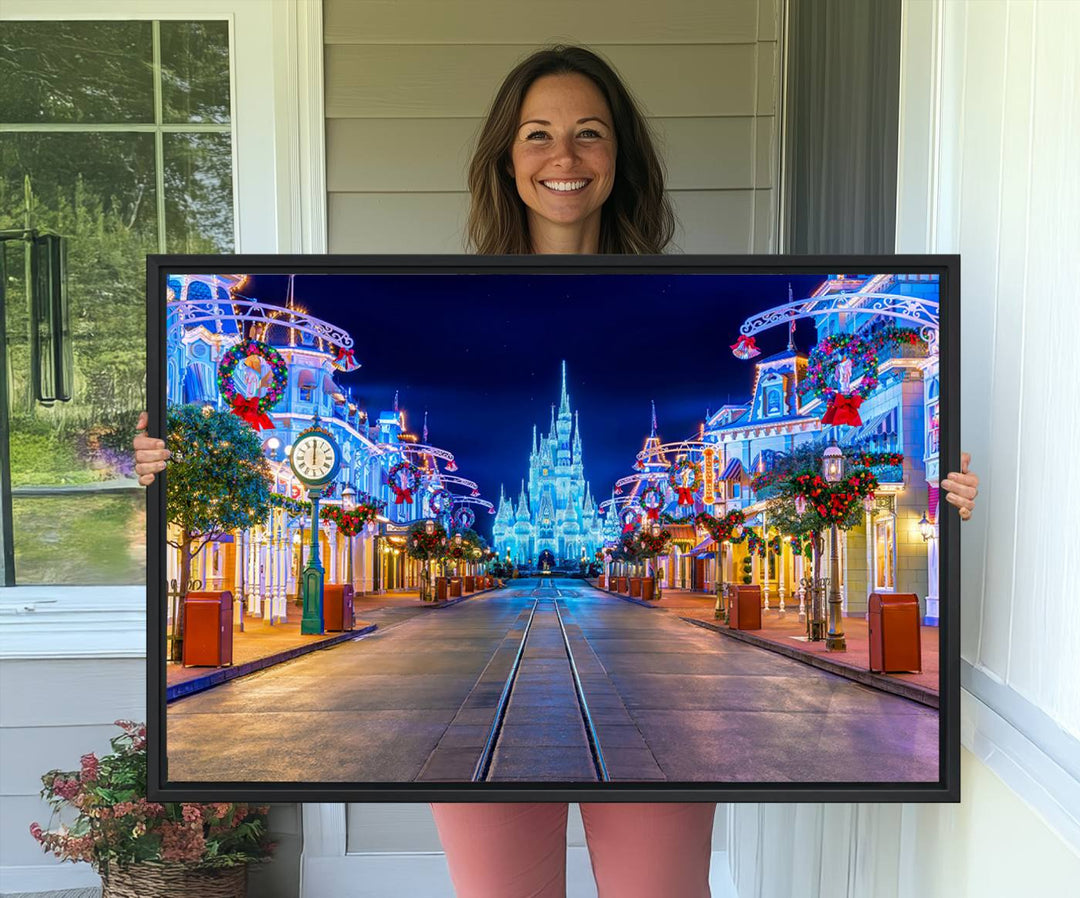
[(946, 789)]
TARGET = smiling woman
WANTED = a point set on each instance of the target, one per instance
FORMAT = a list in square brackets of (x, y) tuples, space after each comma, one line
[(561, 117)]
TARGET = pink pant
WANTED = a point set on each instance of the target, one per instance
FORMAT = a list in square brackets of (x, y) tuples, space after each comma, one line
[(503, 850)]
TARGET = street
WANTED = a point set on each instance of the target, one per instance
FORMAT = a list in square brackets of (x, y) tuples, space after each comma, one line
[(601, 689)]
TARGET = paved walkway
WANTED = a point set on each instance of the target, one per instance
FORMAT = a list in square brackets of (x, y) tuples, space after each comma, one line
[(263, 645), (787, 634)]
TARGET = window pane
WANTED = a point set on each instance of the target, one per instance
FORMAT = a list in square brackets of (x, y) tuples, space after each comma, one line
[(98, 191), (198, 193), (76, 72), (82, 539), (195, 71)]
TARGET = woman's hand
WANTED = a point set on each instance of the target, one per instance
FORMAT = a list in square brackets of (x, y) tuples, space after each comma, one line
[(150, 454), (961, 489)]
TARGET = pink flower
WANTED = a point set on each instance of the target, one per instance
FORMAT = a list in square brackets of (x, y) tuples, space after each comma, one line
[(36, 831), (192, 813), (89, 767), (181, 842), (65, 788)]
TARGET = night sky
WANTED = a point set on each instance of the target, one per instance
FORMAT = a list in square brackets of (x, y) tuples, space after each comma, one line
[(481, 353)]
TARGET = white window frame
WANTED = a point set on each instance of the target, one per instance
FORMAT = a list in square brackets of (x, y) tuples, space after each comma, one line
[(279, 188)]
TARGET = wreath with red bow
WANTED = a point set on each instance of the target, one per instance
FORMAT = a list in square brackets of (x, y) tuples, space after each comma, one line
[(403, 479), (830, 353), (252, 409), (685, 486), (652, 500)]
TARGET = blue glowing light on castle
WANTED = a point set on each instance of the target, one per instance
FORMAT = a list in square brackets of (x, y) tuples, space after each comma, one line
[(555, 510)]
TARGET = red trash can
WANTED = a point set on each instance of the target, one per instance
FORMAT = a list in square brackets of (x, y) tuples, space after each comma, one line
[(895, 638), (338, 614), (745, 611), (208, 629)]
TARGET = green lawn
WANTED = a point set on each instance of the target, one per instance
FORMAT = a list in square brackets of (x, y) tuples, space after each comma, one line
[(82, 539)]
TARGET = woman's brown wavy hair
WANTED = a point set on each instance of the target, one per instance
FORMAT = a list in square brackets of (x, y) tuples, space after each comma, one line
[(637, 216)]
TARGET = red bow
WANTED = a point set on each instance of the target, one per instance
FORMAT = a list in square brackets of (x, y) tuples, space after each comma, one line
[(402, 496), (345, 358), (745, 348), (654, 514), (247, 409), (686, 495), (843, 410)]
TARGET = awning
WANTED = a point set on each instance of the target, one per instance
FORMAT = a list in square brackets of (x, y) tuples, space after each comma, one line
[(682, 533), (734, 469), (306, 378), (704, 549), (883, 424)]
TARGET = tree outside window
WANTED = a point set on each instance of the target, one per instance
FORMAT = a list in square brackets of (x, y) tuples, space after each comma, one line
[(118, 136)]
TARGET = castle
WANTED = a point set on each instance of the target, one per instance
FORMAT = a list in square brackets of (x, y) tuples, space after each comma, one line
[(556, 512)]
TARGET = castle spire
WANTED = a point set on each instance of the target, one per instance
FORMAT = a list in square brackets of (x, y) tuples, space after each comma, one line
[(564, 399), (553, 433), (395, 400), (425, 426), (536, 447)]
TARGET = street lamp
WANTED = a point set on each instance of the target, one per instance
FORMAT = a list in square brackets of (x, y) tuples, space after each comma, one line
[(425, 574), (832, 469), (656, 530), (348, 503), (926, 528)]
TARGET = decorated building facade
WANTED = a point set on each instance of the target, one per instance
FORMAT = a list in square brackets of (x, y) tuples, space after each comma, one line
[(875, 362), (207, 320)]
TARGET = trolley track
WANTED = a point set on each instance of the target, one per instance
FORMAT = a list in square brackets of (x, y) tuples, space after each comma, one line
[(529, 654)]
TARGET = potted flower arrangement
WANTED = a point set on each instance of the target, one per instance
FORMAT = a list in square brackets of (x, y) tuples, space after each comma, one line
[(141, 847)]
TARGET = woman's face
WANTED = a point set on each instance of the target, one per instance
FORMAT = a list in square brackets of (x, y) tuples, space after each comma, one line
[(563, 154)]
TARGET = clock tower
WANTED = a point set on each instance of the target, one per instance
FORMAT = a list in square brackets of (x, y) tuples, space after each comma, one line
[(316, 460)]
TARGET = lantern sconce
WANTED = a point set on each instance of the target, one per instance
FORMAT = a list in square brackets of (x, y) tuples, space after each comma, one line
[(926, 528)]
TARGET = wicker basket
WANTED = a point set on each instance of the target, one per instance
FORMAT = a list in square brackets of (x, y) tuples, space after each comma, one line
[(150, 880)]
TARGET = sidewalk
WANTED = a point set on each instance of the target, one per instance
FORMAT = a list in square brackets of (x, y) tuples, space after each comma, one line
[(786, 635), (261, 645)]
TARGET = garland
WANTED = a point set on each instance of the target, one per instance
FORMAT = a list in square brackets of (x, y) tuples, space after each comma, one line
[(252, 408), (652, 500), (861, 353), (775, 545), (754, 543), (403, 479), (878, 459), (349, 523), (857, 460), (802, 546), (678, 481)]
